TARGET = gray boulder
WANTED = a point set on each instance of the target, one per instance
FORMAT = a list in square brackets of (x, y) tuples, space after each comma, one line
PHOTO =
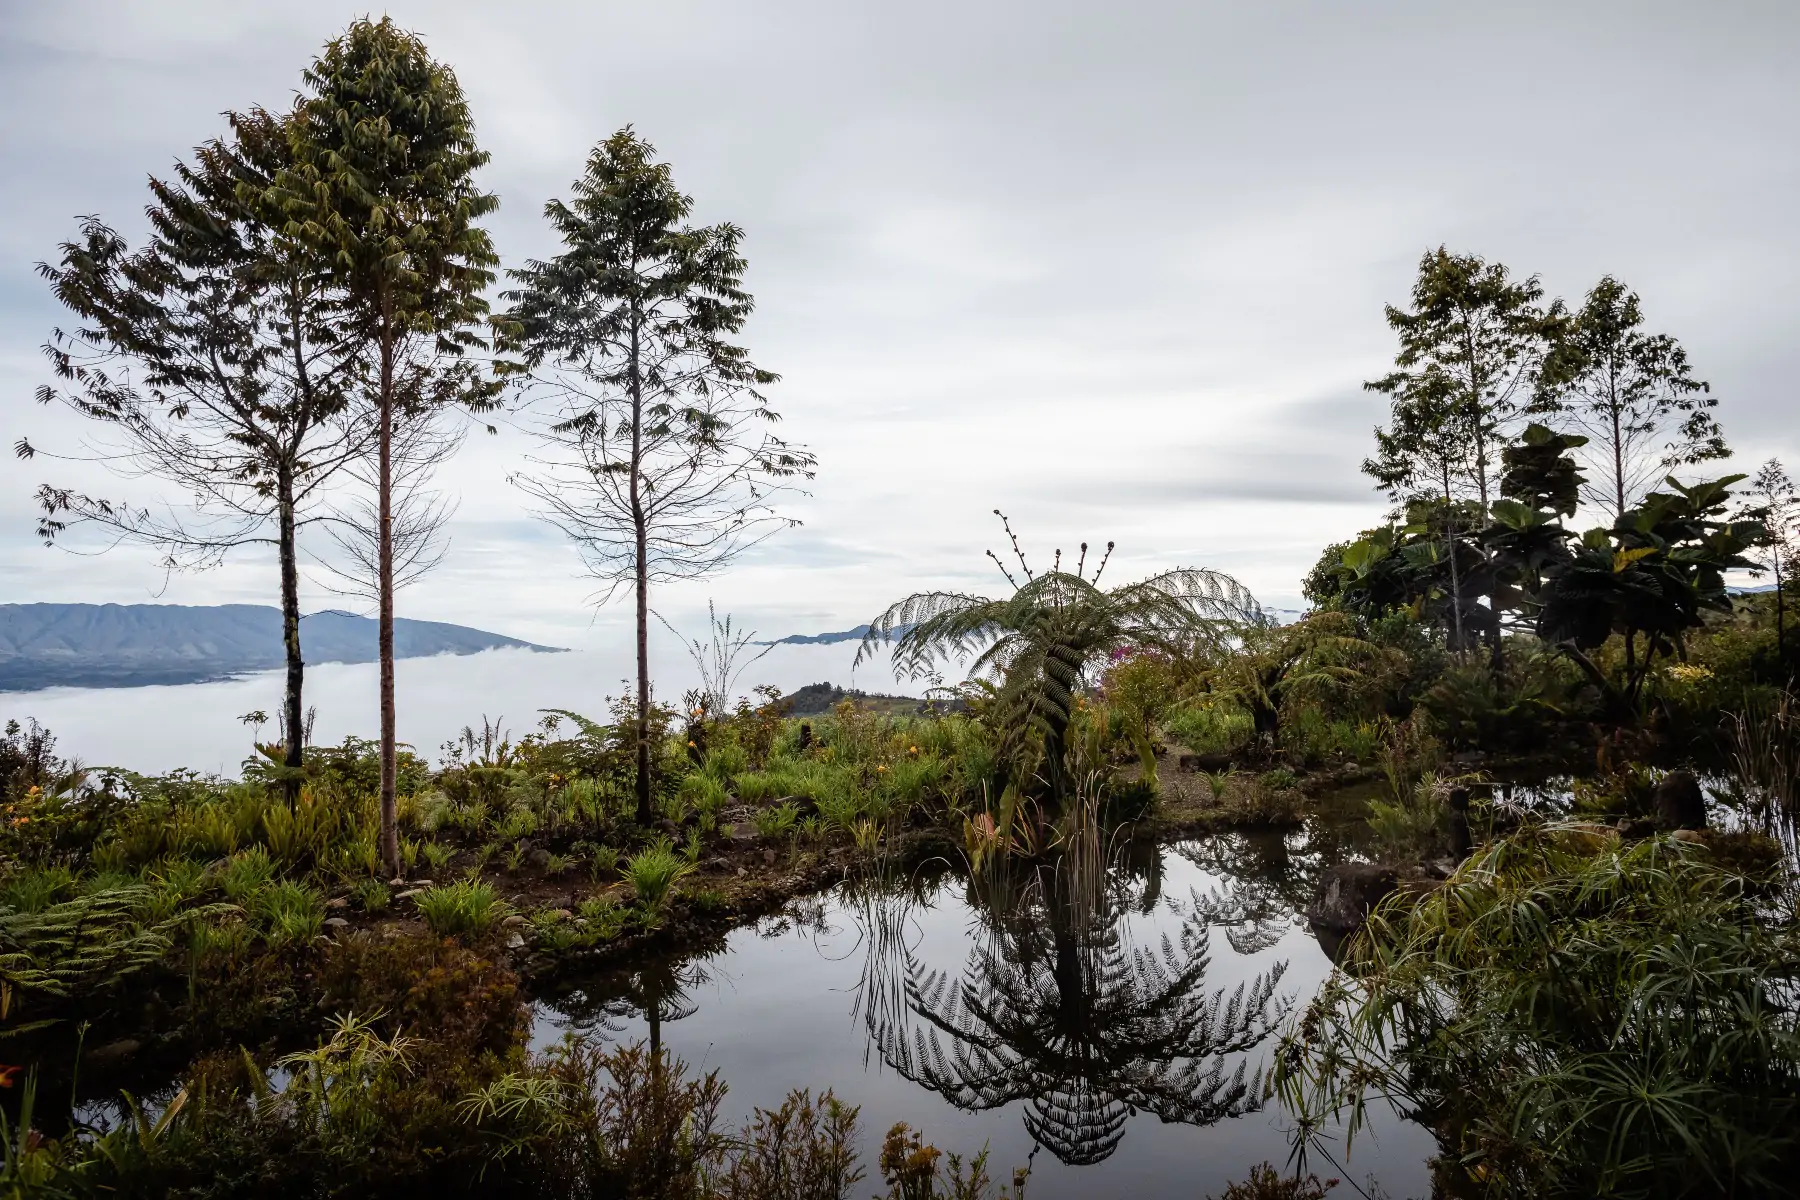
[(1347, 892), (1680, 804)]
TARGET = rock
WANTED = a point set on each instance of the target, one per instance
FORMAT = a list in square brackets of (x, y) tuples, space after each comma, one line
[(515, 940), (1679, 802), (768, 858), (563, 914), (337, 902), (741, 872), (1691, 836), (336, 923), (537, 857), (410, 894), (1462, 840), (1347, 892), (515, 921), (421, 883), (113, 1053)]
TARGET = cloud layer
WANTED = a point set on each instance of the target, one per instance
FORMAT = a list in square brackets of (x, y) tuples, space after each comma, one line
[(1118, 270)]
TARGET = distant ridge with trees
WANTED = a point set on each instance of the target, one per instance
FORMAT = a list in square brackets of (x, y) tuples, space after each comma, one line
[(134, 645)]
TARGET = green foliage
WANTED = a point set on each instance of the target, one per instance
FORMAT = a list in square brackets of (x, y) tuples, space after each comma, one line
[(653, 871), (71, 950), (290, 912), (466, 908), (1577, 1016), (1266, 1183), (246, 873), (371, 895), (776, 822), (1041, 642), (1410, 825)]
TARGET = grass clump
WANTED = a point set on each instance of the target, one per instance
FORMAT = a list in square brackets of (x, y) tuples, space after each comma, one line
[(466, 908), (654, 871)]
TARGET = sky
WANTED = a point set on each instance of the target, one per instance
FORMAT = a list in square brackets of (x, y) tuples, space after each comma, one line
[(1116, 269)]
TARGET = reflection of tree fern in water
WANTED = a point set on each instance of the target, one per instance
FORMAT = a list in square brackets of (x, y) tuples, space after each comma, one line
[(1059, 1010)]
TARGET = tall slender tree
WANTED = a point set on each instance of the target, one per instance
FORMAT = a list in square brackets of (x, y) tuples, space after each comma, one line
[(1772, 495), (1471, 351), (382, 191), (215, 359), (1632, 393), (660, 462)]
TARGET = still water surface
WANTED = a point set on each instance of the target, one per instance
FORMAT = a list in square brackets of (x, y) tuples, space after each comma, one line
[(1109, 1033)]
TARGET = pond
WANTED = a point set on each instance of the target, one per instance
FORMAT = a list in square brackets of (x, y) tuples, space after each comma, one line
[(1107, 1023)]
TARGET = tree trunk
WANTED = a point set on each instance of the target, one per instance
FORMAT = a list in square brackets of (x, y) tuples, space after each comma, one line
[(1455, 571), (390, 833), (640, 527), (1618, 450), (1780, 618), (292, 719)]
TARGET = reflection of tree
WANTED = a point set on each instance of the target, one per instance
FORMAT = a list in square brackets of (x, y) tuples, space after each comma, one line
[(1057, 1008), (657, 990)]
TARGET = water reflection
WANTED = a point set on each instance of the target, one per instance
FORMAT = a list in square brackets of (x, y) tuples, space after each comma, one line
[(1035, 1009), (1059, 1007), (659, 990)]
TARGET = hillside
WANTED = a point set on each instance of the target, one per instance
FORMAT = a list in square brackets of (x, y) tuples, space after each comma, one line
[(130, 645)]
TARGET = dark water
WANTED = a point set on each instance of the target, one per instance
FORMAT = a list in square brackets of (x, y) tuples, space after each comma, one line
[(1105, 1023)]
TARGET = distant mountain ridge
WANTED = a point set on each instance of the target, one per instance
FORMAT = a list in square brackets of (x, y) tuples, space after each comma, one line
[(131, 645), (820, 639)]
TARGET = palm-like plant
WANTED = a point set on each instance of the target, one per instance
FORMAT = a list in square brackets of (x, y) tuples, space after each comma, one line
[(1041, 642)]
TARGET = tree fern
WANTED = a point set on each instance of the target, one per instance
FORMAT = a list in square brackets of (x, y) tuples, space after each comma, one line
[(1041, 642)]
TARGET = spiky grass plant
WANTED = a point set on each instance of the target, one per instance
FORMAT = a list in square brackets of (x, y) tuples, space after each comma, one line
[(292, 914), (466, 908), (776, 822), (1575, 1015), (655, 870), (1042, 642)]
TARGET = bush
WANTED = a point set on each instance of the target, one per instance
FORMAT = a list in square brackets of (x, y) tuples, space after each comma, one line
[(1576, 1015), (466, 1003)]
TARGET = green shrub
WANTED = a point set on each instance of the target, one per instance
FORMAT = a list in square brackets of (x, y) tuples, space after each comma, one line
[(1210, 729), (704, 792), (754, 787), (1578, 1015), (466, 908)]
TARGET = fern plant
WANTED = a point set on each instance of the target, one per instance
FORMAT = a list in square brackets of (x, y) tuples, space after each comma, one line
[(1042, 642)]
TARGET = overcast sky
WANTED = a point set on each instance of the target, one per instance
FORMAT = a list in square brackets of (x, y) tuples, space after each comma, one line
[(1115, 268)]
